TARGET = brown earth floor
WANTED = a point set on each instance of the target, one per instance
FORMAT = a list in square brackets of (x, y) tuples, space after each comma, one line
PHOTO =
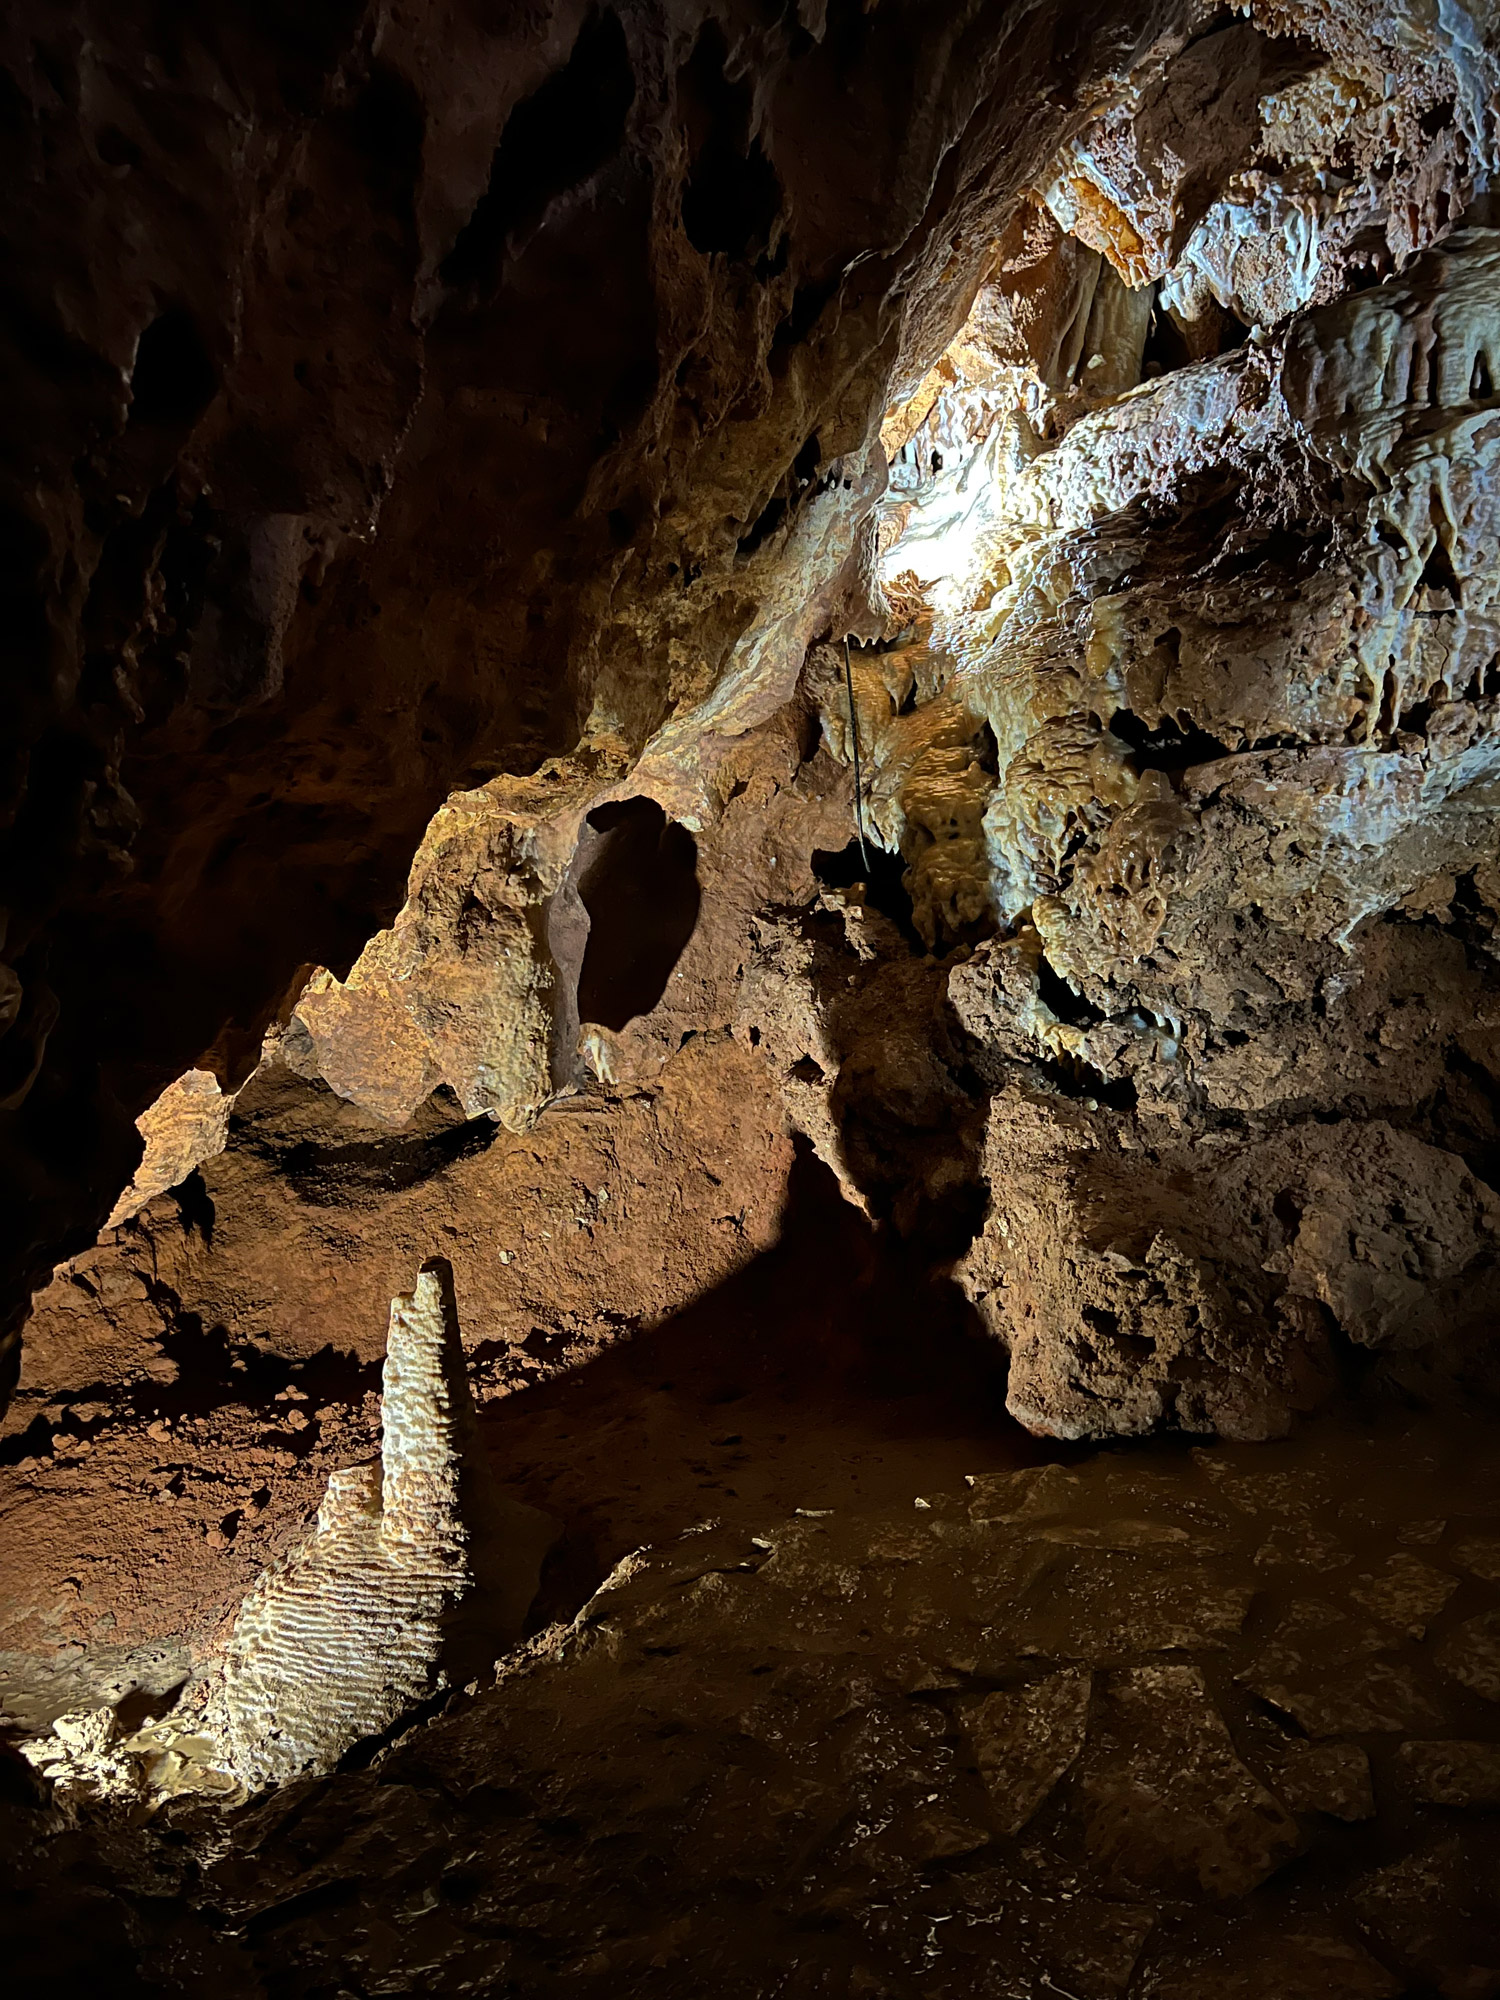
[(835, 1371)]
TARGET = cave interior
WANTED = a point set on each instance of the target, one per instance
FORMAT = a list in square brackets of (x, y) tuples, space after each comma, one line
[(750, 1000)]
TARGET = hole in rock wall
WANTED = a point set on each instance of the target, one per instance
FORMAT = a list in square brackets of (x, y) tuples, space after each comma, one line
[(173, 380), (1171, 745), (955, 1171), (766, 522), (640, 888), (884, 880), (1173, 342), (793, 485)]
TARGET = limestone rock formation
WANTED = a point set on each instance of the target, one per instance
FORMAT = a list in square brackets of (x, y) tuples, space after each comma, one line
[(1176, 678), (398, 399), (1148, 467), (462, 991), (418, 1572), (412, 1560), (1165, 1012), (188, 1124), (930, 571)]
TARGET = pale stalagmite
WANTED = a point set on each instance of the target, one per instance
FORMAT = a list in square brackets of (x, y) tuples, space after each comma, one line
[(357, 1624)]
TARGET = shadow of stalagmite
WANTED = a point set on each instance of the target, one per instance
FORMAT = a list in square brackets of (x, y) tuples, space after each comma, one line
[(839, 1368)]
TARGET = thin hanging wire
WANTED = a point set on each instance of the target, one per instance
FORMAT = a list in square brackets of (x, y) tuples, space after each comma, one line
[(859, 787)]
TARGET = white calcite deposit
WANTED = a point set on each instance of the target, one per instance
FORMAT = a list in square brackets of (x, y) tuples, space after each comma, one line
[(409, 1558)]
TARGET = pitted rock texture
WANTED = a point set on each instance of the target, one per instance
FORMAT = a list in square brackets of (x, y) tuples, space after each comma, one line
[(200, 1375), (417, 1571), (943, 561), (1175, 705), (1169, 586), (190, 1383), (400, 398), (188, 1124)]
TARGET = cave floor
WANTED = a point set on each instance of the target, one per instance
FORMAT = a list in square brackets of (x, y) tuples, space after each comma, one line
[(841, 1685), (834, 1371)]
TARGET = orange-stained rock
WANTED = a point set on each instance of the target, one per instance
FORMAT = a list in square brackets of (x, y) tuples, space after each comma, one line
[(187, 1125)]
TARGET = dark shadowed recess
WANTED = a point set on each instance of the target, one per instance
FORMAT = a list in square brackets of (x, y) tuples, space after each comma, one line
[(840, 1368), (640, 889), (884, 882), (732, 197), (1172, 745), (173, 380), (559, 136)]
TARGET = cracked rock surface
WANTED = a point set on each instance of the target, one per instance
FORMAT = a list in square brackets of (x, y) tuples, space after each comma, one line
[(1098, 1729)]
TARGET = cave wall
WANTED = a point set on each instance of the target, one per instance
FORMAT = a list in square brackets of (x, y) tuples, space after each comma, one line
[(932, 675), (394, 398), (1130, 417), (1183, 683)]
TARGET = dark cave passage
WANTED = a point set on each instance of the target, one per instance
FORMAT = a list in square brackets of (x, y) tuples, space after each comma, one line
[(640, 887), (884, 882)]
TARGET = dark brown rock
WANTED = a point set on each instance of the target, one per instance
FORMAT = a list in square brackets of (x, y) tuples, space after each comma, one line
[(1167, 1802)]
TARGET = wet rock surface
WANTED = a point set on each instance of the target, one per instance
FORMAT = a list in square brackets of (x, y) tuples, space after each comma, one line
[(1024, 1732)]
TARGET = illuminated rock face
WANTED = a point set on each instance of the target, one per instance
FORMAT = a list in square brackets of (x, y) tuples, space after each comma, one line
[(1180, 713), (404, 400), (932, 573)]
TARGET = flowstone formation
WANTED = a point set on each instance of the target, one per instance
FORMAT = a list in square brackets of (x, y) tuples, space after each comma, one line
[(1179, 708)]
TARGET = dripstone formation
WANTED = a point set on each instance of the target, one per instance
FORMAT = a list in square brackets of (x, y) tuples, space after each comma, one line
[(354, 1627), (417, 1570), (910, 588)]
